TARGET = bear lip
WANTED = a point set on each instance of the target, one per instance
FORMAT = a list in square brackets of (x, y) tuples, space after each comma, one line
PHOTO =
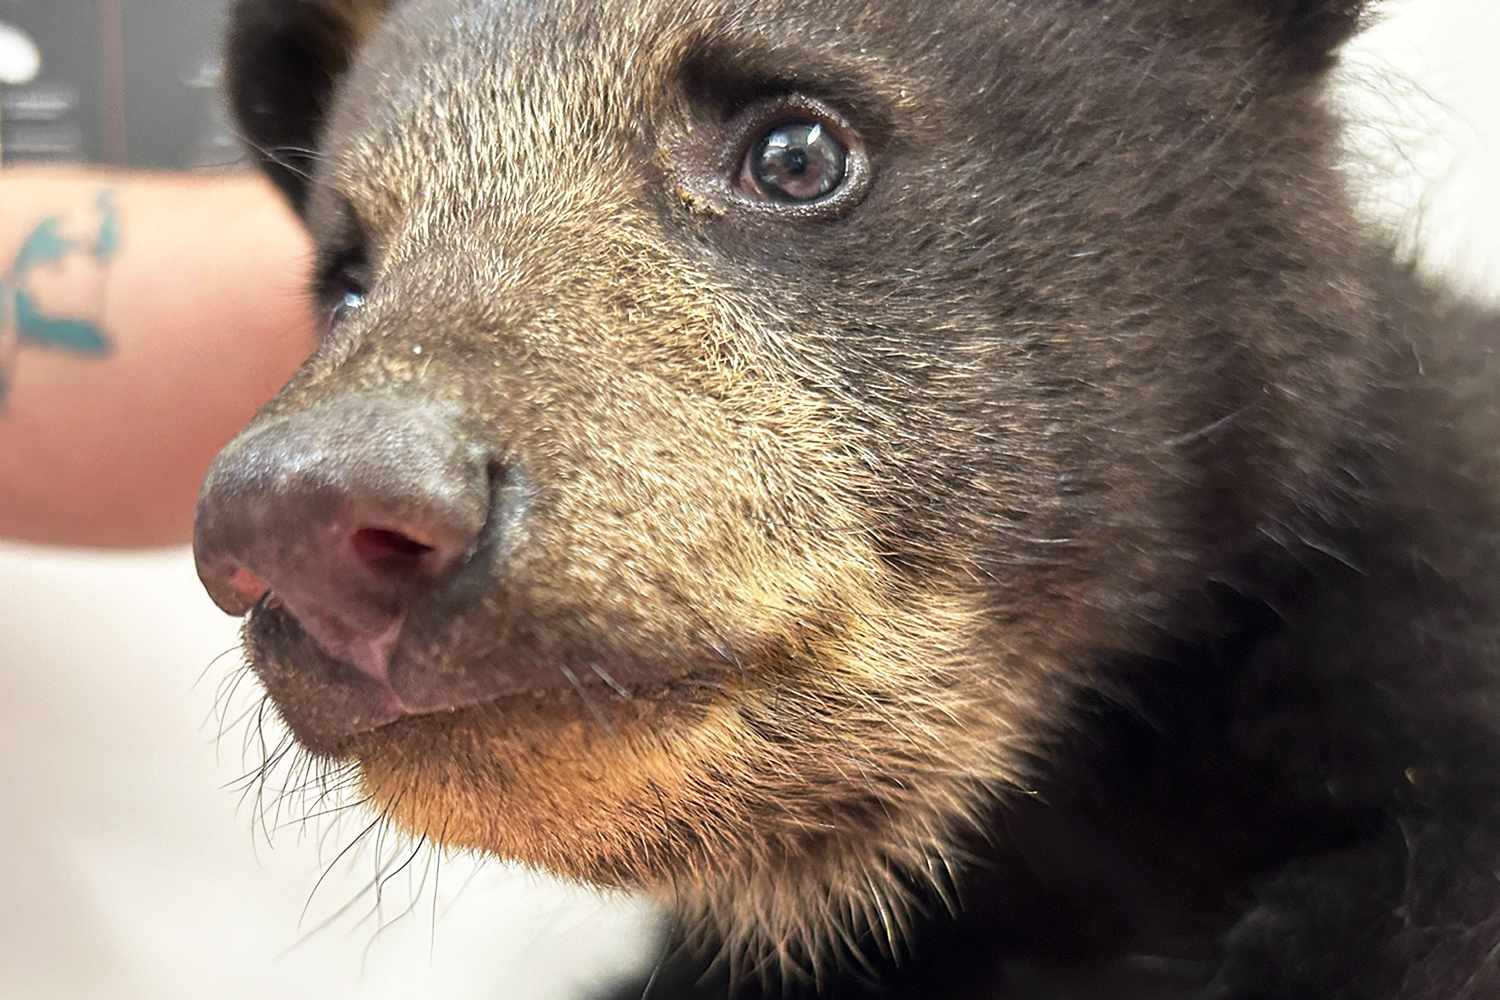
[(366, 650), (355, 691)]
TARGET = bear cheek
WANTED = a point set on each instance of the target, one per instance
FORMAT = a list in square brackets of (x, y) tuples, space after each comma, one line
[(701, 532)]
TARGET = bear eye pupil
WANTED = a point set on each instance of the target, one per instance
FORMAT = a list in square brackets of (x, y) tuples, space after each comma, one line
[(350, 302), (798, 162), (348, 299)]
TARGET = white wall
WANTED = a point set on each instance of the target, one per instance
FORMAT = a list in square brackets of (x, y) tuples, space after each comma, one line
[(130, 871), (1423, 86)]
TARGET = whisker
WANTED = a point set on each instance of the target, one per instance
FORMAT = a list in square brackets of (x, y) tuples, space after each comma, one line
[(304, 820), (379, 892), (614, 685), (588, 702), (212, 663), (326, 871)]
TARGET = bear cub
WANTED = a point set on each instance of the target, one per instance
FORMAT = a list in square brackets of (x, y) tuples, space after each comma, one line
[(944, 494)]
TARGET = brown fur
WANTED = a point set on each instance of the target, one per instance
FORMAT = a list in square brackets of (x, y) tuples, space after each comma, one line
[(831, 523), (796, 670)]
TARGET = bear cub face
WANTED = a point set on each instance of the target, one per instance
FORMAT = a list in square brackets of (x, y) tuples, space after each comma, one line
[(742, 431)]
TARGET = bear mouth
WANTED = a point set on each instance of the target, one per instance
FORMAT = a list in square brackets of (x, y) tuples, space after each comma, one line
[(325, 699), (329, 703), (333, 699)]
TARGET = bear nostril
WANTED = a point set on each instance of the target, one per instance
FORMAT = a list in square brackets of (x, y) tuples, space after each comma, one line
[(349, 513), (390, 552), (247, 587)]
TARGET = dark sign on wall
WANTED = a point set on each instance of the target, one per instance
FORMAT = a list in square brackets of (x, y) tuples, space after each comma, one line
[(128, 82)]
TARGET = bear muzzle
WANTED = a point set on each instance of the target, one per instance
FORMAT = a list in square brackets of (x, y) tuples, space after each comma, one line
[(345, 517)]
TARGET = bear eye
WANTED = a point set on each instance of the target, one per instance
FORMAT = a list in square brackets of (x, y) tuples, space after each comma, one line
[(345, 293), (795, 162), (350, 301)]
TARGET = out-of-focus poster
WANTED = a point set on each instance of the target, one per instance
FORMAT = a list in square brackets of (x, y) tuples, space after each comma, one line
[(127, 82)]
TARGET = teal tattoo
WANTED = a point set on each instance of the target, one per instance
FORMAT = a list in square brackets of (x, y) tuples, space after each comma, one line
[(24, 318)]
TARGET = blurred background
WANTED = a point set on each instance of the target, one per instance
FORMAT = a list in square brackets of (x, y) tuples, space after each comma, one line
[(142, 863)]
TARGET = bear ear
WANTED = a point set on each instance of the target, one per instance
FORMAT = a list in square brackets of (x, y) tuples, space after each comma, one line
[(1310, 30), (285, 59)]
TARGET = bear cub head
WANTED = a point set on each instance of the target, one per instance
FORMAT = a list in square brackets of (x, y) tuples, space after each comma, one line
[(742, 432)]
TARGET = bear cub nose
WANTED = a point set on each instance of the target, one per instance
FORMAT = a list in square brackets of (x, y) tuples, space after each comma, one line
[(346, 514)]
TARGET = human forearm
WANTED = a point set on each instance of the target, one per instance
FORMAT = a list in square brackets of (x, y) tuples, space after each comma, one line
[(142, 321)]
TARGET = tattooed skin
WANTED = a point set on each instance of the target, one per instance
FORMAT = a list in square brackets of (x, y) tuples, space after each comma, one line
[(61, 252)]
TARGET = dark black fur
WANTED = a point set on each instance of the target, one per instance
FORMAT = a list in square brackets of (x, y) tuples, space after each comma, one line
[(288, 56), (1301, 803), (1282, 782)]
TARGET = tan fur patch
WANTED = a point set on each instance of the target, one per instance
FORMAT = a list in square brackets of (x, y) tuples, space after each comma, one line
[(774, 807)]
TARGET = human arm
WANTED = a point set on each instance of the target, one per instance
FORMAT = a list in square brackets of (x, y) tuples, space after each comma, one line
[(143, 319)]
